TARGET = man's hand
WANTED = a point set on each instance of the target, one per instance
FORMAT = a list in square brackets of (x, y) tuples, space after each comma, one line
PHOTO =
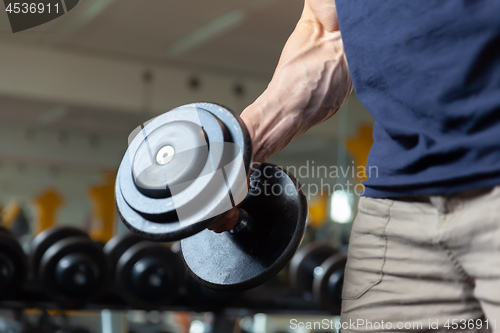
[(225, 222)]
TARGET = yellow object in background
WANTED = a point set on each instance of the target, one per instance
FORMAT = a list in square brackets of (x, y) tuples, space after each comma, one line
[(318, 210), (359, 148), (103, 208), (47, 205), (10, 213)]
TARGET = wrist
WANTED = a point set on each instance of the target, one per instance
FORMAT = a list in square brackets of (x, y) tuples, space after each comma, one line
[(252, 119)]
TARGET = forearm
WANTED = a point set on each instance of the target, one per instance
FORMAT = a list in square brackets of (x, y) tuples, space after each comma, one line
[(310, 84)]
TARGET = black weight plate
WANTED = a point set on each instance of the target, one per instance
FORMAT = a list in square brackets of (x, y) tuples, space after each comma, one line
[(248, 258), (7, 271), (81, 245), (236, 127), (15, 259), (117, 245), (160, 209), (199, 295), (46, 239), (155, 287), (173, 154), (302, 266), (328, 283), (157, 219)]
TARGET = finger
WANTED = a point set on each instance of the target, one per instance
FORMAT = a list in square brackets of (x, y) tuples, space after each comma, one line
[(226, 221), (229, 225), (223, 227)]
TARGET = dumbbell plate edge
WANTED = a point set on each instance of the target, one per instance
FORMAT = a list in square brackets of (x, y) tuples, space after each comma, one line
[(303, 263), (242, 261), (330, 272)]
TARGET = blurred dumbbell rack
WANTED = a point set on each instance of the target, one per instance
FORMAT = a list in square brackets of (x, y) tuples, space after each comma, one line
[(271, 297)]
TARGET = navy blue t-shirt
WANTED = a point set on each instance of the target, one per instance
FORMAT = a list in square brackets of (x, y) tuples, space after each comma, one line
[(429, 73)]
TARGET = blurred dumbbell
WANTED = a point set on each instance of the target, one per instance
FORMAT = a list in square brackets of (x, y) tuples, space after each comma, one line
[(69, 266), (318, 269), (305, 262), (328, 283), (145, 274), (13, 263)]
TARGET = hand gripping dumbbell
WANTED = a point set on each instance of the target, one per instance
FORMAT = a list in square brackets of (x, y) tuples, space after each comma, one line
[(145, 274), (13, 266), (318, 270), (186, 168), (68, 265)]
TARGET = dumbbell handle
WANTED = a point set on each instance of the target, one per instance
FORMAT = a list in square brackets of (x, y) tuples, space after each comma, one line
[(242, 223)]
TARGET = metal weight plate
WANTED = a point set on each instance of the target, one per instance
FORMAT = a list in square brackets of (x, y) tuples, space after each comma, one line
[(73, 271), (153, 213), (155, 216), (117, 246), (235, 126), (203, 297), (243, 260), (46, 239), (13, 263), (156, 163), (303, 264), (146, 150), (148, 274), (328, 283), (7, 271)]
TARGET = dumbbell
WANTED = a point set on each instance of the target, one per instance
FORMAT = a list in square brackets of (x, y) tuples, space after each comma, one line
[(186, 168), (68, 265), (145, 274), (13, 263), (328, 283), (318, 270), (196, 295)]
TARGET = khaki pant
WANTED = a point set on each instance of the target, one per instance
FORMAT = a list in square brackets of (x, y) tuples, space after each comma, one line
[(421, 264)]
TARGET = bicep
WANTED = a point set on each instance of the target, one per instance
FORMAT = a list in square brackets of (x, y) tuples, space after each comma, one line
[(323, 12)]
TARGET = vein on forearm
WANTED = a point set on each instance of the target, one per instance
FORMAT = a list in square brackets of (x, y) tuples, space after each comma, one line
[(310, 84)]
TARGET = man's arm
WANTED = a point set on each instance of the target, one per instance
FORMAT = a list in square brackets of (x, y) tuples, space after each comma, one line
[(310, 84)]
